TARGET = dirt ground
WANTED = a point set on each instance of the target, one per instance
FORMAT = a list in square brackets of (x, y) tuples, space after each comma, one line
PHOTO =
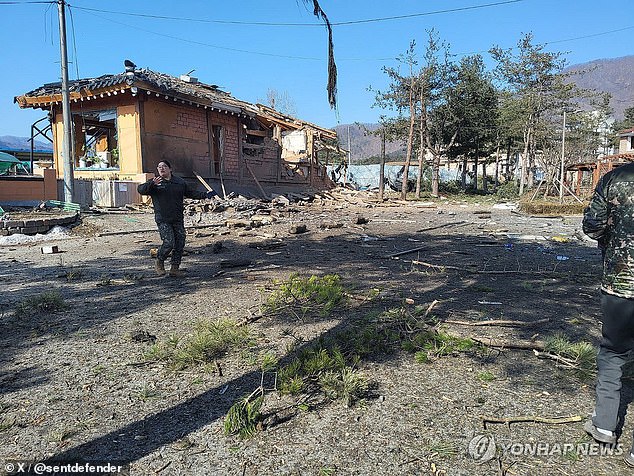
[(76, 384)]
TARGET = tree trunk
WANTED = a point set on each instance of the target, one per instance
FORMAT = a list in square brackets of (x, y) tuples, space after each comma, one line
[(421, 149), (475, 166), (465, 164), (497, 168), (382, 166), (508, 160), (435, 175), (523, 159), (410, 140), (484, 177)]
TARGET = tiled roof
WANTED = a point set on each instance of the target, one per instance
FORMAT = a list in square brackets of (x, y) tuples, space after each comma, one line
[(148, 81)]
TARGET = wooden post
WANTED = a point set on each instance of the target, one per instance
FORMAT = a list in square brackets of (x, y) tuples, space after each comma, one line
[(382, 166)]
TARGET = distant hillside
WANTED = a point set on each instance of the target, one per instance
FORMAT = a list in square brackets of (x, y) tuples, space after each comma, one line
[(613, 76), (365, 144), (22, 143)]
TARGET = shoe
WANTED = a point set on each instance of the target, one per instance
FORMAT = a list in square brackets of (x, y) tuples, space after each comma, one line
[(629, 459), (589, 427), (160, 267), (175, 272)]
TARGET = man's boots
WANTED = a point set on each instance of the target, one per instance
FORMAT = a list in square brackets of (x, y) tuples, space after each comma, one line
[(175, 272), (160, 267)]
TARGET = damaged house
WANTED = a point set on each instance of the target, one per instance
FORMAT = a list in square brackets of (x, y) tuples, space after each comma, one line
[(124, 124)]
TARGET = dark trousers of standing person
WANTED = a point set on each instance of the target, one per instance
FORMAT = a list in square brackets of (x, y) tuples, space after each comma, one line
[(614, 352), (173, 237)]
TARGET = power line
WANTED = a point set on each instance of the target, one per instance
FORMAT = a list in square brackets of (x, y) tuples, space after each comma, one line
[(200, 43), (436, 12), (243, 23), (590, 36), (343, 23), (593, 35)]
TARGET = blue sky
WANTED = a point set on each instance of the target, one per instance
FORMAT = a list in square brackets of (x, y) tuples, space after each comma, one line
[(250, 46)]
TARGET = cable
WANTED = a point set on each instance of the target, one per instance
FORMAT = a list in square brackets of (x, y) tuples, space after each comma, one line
[(436, 12), (343, 23), (200, 43), (589, 36)]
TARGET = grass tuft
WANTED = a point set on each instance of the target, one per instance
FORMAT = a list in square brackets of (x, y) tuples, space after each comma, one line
[(302, 296), (581, 354), (45, 303), (210, 340), (324, 369)]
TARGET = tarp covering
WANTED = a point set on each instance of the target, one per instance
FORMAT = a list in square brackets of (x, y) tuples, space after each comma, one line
[(10, 165), (367, 176), (8, 158)]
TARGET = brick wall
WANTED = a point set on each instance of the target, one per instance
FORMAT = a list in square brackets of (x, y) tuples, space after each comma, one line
[(29, 188), (231, 153)]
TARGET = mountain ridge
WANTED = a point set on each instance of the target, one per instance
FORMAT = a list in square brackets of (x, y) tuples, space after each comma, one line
[(22, 143)]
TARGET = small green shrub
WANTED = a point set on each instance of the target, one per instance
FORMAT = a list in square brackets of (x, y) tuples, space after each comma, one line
[(582, 354), (210, 340), (428, 343), (508, 191), (243, 417), (486, 376), (45, 303), (301, 296), (324, 369)]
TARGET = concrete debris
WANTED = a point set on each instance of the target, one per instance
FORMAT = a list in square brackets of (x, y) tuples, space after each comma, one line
[(234, 263), (55, 233), (330, 225), (297, 229)]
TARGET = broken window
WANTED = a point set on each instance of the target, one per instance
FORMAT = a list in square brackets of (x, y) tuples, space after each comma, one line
[(96, 143)]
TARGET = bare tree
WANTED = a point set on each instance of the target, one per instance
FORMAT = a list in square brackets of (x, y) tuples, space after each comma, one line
[(281, 101)]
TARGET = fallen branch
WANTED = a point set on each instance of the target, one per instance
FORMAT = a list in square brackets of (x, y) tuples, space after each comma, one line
[(496, 322), (442, 226), (515, 271), (557, 358), (146, 230), (512, 345), (435, 266), (531, 419), (431, 306)]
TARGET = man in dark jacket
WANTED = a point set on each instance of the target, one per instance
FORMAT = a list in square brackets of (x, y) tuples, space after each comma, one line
[(167, 192), (610, 219)]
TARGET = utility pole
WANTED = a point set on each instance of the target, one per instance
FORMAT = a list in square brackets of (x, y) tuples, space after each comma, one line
[(349, 150), (382, 165), (563, 151), (66, 141)]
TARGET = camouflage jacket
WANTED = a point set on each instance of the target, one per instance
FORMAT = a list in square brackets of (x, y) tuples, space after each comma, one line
[(610, 219)]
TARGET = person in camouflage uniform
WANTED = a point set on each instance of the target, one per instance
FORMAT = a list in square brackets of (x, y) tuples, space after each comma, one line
[(167, 192), (609, 219)]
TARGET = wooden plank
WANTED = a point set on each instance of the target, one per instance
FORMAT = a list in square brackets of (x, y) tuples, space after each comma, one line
[(254, 132), (202, 180), (257, 182)]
